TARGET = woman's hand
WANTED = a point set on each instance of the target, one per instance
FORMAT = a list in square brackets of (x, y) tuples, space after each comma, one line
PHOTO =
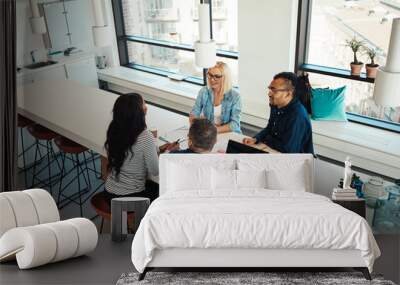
[(223, 128), (191, 118), (249, 141)]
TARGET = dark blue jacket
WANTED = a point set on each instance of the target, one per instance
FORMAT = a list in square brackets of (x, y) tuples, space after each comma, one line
[(288, 129), (188, 150)]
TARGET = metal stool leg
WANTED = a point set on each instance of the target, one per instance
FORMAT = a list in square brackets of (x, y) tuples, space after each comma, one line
[(35, 162), (61, 178), (79, 184), (87, 170), (102, 224), (23, 157), (49, 165)]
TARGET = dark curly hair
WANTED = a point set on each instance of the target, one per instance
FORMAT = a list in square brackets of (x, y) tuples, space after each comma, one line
[(301, 86), (127, 124)]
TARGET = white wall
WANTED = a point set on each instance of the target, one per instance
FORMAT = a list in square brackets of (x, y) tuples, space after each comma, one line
[(27, 41), (110, 52), (267, 43)]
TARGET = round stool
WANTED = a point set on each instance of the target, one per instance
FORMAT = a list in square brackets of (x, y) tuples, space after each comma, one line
[(103, 208), (22, 123), (41, 133), (119, 208), (74, 149)]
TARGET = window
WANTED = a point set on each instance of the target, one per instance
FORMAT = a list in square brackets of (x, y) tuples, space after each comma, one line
[(158, 35), (329, 24)]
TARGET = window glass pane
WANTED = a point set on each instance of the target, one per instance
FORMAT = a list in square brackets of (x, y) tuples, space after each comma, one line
[(358, 97), (225, 24), (177, 21), (169, 20), (172, 60), (233, 66), (335, 21)]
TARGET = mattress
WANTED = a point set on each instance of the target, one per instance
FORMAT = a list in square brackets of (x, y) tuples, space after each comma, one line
[(250, 219)]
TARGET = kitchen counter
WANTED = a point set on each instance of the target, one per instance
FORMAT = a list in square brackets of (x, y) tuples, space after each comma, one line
[(61, 60)]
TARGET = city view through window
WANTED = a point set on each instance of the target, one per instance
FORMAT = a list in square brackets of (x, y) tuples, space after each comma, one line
[(335, 21), (176, 21), (332, 22)]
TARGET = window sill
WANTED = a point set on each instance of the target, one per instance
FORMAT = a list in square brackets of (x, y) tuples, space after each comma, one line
[(370, 148), (336, 72)]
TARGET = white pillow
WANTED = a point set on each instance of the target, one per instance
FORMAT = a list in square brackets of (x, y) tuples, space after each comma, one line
[(224, 179), (283, 173), (251, 178), (188, 177), (293, 178)]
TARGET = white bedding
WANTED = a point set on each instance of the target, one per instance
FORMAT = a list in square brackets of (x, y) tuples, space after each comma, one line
[(252, 218)]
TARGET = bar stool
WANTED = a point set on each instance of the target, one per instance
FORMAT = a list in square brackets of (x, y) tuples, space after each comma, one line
[(22, 123), (74, 149), (103, 209), (41, 133)]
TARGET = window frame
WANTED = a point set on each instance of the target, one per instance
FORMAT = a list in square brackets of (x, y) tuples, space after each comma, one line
[(123, 39), (301, 65)]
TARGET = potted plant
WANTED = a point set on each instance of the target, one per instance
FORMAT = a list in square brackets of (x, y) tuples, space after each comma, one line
[(355, 46), (371, 67)]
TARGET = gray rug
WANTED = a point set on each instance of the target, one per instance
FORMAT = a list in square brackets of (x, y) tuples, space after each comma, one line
[(229, 278)]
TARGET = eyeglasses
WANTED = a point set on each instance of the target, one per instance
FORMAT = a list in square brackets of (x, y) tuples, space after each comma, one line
[(214, 76), (274, 90)]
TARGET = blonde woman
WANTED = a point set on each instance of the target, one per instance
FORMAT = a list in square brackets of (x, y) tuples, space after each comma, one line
[(218, 102)]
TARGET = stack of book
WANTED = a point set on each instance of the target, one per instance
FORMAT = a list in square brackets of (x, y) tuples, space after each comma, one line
[(344, 194)]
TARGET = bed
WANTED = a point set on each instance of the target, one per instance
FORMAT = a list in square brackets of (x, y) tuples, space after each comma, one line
[(246, 211)]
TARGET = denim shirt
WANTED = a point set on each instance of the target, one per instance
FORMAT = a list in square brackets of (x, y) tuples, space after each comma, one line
[(288, 129), (230, 111)]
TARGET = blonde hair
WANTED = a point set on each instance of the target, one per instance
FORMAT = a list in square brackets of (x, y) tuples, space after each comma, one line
[(227, 76)]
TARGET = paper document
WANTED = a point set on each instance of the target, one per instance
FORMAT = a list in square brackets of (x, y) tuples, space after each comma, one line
[(175, 135)]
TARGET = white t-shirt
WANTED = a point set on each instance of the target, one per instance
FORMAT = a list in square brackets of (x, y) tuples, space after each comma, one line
[(217, 114)]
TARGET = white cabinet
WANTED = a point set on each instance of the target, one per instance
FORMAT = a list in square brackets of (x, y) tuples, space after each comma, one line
[(58, 34), (68, 24), (83, 71), (53, 73), (77, 15)]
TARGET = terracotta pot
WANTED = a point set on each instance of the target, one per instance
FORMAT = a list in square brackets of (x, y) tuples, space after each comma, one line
[(372, 69), (356, 68)]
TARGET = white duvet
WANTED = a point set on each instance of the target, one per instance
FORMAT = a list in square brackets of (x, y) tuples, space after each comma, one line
[(250, 219)]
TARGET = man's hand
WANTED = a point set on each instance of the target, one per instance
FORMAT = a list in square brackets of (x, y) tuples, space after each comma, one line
[(249, 141), (169, 147)]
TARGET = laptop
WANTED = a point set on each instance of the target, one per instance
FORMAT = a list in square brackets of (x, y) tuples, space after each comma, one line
[(236, 147)]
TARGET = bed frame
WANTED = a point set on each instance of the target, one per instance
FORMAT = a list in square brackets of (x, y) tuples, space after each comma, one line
[(250, 259), (256, 259)]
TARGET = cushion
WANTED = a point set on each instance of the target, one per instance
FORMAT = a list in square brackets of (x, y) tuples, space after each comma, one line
[(187, 172), (7, 218), (23, 208), (283, 173), (292, 178), (183, 177), (251, 178), (224, 179), (328, 104), (40, 244)]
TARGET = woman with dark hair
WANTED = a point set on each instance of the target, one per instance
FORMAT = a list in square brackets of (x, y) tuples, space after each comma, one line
[(289, 127), (131, 151)]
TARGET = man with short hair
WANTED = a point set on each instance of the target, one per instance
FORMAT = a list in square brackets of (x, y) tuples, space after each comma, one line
[(201, 138), (289, 128)]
